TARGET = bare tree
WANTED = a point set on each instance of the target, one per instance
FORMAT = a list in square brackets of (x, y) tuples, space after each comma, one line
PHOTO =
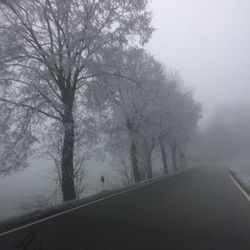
[(183, 122), (80, 169), (163, 155), (158, 111), (61, 45), (125, 171), (15, 140), (132, 109)]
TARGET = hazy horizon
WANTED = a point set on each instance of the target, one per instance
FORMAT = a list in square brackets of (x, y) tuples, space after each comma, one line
[(208, 42)]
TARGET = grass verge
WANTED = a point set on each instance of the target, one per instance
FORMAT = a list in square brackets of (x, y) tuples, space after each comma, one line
[(240, 182)]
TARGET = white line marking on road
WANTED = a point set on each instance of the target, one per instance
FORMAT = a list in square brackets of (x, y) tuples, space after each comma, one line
[(90, 203), (240, 188)]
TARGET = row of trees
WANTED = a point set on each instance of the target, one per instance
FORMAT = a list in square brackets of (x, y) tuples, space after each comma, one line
[(69, 66), (154, 114)]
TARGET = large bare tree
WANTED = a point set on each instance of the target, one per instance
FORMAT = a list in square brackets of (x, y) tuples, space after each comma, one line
[(133, 106), (50, 50)]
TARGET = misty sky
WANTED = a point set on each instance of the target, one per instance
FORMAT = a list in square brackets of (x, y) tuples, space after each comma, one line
[(208, 41)]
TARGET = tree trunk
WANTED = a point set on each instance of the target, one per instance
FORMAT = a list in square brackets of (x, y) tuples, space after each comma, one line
[(134, 161), (173, 150), (133, 152), (149, 146), (149, 167), (67, 163), (68, 186), (164, 159), (182, 158)]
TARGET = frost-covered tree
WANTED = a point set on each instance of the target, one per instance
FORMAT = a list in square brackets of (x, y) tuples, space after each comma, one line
[(178, 116), (131, 105), (58, 47), (189, 114), (168, 105), (15, 140), (153, 110)]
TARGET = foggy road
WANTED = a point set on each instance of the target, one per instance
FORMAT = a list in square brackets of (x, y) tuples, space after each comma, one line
[(198, 209)]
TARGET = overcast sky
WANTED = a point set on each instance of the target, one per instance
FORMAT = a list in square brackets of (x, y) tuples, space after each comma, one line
[(208, 41)]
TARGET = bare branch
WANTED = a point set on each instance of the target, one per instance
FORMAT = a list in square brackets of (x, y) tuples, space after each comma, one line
[(30, 107)]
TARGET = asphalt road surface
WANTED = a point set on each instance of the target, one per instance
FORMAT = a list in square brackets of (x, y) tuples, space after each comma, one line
[(198, 209)]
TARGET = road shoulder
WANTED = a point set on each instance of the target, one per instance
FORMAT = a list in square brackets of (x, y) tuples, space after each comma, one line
[(245, 190)]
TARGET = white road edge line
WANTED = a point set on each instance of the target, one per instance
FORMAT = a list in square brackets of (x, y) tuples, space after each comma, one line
[(239, 187), (90, 203), (73, 209)]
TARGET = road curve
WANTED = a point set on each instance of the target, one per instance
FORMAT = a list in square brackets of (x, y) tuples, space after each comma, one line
[(198, 209)]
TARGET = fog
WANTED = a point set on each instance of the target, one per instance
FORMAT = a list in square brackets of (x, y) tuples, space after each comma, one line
[(208, 42), (227, 136)]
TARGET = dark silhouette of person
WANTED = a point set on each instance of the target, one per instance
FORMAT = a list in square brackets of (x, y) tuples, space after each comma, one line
[(102, 179)]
